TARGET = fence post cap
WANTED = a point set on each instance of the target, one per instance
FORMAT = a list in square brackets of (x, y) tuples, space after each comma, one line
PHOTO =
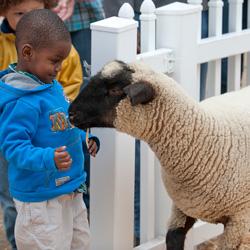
[(114, 24), (147, 7), (126, 11), (178, 9)]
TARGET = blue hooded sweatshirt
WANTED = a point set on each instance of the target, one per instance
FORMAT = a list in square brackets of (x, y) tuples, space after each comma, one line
[(33, 123)]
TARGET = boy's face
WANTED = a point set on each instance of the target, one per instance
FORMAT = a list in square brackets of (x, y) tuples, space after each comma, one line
[(45, 63), (14, 14)]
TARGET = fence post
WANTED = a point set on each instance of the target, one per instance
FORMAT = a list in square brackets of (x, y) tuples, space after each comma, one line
[(120, 35), (112, 172), (213, 84), (234, 62), (147, 31), (179, 28)]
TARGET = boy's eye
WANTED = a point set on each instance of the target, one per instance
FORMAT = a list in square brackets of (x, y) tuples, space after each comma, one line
[(54, 61)]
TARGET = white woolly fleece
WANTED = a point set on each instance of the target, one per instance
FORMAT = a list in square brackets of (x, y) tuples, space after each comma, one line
[(204, 148)]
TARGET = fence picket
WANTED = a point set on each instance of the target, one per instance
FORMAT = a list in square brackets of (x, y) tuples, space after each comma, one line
[(234, 63), (147, 28), (213, 83)]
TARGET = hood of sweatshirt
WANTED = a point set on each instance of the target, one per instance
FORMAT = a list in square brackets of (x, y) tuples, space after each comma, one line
[(14, 85)]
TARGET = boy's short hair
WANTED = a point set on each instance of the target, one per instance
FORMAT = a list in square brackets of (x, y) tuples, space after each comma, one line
[(7, 4), (40, 28)]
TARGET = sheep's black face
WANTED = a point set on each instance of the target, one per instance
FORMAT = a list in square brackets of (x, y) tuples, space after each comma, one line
[(96, 105)]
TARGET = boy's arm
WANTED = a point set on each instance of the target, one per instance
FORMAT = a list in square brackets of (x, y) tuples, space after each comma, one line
[(71, 76), (18, 126)]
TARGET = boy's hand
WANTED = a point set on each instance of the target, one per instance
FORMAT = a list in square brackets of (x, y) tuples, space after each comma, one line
[(92, 147), (62, 159)]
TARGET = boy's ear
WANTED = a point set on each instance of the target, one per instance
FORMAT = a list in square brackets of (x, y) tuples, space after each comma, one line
[(27, 51)]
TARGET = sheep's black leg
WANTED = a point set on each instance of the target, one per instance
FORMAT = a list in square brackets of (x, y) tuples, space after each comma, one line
[(175, 237)]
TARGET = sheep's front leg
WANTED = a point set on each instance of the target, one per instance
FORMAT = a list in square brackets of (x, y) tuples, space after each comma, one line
[(179, 225)]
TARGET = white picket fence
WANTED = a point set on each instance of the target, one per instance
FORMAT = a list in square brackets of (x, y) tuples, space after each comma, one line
[(170, 43)]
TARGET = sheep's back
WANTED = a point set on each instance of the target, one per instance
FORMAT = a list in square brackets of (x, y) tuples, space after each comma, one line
[(232, 103)]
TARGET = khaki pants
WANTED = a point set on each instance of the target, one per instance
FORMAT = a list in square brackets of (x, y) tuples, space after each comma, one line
[(57, 224)]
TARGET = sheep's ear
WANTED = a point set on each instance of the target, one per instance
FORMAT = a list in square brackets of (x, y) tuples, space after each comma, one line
[(139, 93)]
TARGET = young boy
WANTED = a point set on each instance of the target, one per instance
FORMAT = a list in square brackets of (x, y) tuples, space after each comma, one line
[(70, 76), (43, 150)]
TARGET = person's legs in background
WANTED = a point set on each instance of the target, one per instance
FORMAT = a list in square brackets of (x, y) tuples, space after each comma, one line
[(244, 17), (225, 29), (87, 169), (204, 66), (7, 204), (244, 26), (137, 198), (81, 39), (224, 60), (137, 193)]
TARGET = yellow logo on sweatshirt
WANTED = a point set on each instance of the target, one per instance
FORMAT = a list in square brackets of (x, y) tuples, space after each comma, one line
[(59, 121)]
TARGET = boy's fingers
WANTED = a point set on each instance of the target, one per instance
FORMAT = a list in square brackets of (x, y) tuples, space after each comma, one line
[(63, 155), (60, 149), (65, 165), (90, 142), (67, 158), (64, 159), (63, 169), (92, 146), (93, 150)]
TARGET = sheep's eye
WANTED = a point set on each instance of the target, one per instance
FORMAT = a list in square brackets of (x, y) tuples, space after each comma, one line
[(115, 92), (105, 92)]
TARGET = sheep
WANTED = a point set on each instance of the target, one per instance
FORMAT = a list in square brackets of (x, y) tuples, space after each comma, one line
[(203, 148)]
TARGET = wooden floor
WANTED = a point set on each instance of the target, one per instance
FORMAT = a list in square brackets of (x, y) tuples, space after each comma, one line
[(3, 242)]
